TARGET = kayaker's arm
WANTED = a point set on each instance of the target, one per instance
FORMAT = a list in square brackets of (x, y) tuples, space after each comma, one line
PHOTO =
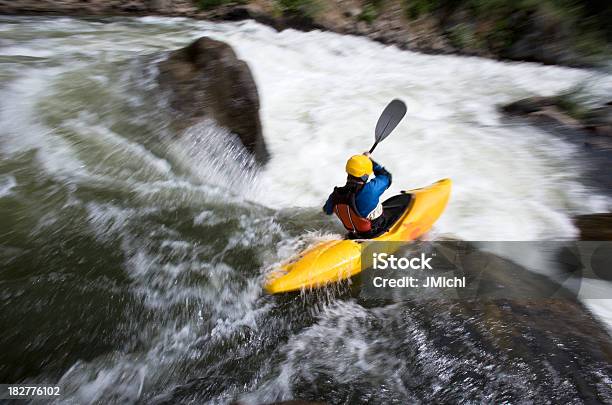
[(382, 174), (328, 208), (369, 196)]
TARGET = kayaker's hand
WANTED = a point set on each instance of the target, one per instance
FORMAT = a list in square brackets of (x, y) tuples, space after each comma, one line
[(366, 154)]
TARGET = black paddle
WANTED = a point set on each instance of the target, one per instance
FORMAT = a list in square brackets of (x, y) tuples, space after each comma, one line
[(390, 117)]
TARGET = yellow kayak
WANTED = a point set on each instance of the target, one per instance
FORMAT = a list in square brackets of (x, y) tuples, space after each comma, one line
[(412, 214)]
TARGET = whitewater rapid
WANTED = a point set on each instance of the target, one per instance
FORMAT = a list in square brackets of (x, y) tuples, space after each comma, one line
[(321, 94), (158, 245)]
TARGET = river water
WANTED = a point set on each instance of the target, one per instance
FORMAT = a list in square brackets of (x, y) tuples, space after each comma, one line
[(132, 260)]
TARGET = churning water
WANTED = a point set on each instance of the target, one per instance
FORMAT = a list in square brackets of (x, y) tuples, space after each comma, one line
[(132, 259)]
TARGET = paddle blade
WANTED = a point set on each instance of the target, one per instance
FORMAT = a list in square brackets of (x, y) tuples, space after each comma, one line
[(390, 117)]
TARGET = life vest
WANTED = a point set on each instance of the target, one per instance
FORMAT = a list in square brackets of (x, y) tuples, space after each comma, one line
[(345, 208)]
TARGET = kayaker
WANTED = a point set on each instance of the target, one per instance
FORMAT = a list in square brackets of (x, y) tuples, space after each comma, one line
[(357, 203)]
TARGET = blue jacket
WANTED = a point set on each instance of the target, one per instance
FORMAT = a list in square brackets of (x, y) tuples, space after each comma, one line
[(368, 197)]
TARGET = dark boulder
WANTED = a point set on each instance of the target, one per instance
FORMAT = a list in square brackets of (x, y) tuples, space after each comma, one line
[(207, 80), (595, 226), (527, 105), (565, 113)]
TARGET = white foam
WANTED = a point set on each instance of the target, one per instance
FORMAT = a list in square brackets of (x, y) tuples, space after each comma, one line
[(321, 94), (7, 183)]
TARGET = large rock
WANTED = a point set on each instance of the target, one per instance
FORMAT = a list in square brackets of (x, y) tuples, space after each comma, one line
[(595, 226), (207, 80), (555, 110), (527, 105)]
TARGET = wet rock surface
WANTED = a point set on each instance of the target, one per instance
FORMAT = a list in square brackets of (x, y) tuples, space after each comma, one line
[(589, 128), (597, 121), (595, 226), (207, 80)]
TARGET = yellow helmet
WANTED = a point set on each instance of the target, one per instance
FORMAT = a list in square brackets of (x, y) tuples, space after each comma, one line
[(359, 166)]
